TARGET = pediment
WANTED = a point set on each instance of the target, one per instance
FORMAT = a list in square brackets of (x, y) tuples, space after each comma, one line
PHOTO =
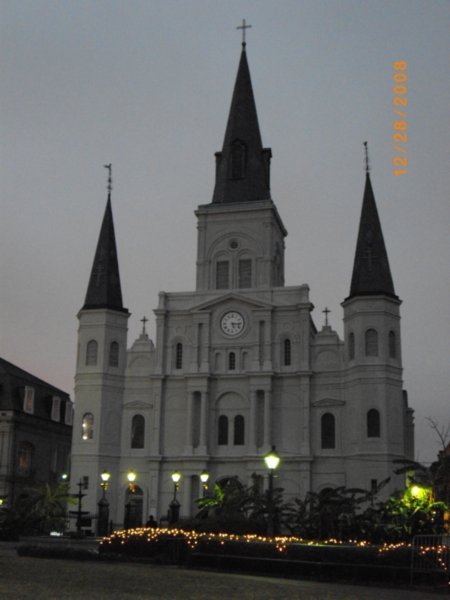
[(328, 402), (136, 405), (233, 297)]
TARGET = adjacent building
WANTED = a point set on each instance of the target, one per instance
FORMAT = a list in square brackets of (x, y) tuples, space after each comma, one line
[(35, 431)]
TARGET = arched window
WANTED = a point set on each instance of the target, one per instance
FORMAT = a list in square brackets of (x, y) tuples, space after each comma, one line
[(371, 342), (179, 356), (232, 361), (222, 439), (351, 346), (222, 274), (239, 430), (238, 159), (137, 431), (25, 458), (328, 434), (373, 423), (114, 354), (87, 426), (287, 352), (91, 353), (392, 345)]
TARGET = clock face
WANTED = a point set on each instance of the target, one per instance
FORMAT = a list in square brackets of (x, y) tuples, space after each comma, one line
[(232, 323)]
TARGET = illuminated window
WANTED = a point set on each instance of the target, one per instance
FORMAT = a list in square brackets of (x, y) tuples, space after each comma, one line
[(91, 353), (223, 431), (351, 346), (28, 400), (87, 426), (328, 435), (239, 430), (25, 458), (373, 423), (137, 431), (371, 342), (114, 354), (232, 361), (392, 345), (222, 274), (179, 356)]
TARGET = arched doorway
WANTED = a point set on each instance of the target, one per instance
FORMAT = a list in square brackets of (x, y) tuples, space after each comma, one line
[(134, 501)]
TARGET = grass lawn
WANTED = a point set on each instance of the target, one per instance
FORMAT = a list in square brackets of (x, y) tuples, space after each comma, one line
[(25, 578)]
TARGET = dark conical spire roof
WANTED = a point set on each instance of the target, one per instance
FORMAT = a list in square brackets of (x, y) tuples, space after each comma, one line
[(104, 289), (242, 168), (371, 272)]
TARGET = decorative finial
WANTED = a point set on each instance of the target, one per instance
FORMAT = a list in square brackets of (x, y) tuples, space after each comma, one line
[(109, 167), (144, 321), (243, 27), (366, 157), (326, 311)]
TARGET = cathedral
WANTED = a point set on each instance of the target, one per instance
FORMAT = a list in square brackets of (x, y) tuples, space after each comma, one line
[(238, 365)]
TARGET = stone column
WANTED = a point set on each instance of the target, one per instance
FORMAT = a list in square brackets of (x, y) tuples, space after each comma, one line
[(189, 422), (267, 418), (252, 422), (203, 449)]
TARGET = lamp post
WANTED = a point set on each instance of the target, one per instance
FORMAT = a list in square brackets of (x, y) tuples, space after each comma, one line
[(174, 507), (129, 517), (272, 461), (204, 476), (103, 505)]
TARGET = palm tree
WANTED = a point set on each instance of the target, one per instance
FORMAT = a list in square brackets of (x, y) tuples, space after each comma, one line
[(44, 508)]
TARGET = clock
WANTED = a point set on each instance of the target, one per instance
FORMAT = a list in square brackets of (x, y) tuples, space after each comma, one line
[(232, 323)]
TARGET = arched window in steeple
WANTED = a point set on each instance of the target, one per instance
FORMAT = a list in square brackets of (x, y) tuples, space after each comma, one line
[(238, 159), (371, 342), (231, 361), (91, 353), (137, 431), (373, 423), (87, 426)]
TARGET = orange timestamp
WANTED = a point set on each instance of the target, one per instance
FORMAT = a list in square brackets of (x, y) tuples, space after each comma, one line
[(400, 102)]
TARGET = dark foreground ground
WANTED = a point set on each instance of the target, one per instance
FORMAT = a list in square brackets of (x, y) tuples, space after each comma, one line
[(23, 578)]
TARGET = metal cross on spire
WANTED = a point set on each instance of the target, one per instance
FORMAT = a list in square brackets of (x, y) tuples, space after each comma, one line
[(327, 312), (244, 26), (109, 167), (366, 151), (144, 321)]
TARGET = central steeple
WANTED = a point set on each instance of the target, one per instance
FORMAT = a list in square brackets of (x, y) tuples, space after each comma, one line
[(243, 166)]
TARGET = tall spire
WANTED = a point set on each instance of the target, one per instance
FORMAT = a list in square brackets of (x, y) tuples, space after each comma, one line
[(371, 272), (243, 166), (104, 289)]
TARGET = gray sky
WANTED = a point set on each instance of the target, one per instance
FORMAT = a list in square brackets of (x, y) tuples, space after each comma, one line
[(147, 86)]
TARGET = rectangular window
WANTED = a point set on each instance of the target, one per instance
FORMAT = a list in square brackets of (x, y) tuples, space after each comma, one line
[(28, 401), (68, 416), (245, 273), (56, 408), (222, 274)]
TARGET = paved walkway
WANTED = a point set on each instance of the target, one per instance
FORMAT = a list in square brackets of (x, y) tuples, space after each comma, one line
[(23, 578)]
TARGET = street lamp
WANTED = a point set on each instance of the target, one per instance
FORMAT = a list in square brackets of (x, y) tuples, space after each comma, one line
[(103, 505), (272, 461), (174, 507), (204, 476), (129, 506)]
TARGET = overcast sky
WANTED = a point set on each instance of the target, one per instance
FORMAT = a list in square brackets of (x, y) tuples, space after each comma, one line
[(146, 85)]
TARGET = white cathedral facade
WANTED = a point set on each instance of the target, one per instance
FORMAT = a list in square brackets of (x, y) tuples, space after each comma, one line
[(238, 365)]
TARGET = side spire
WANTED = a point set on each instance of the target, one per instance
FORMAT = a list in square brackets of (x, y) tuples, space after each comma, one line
[(104, 290), (371, 272), (243, 166)]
